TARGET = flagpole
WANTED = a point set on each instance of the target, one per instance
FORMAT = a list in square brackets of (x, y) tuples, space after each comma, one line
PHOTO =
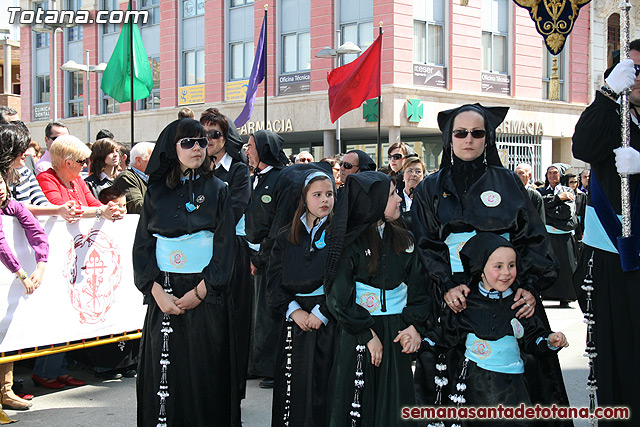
[(624, 105), (380, 100), (131, 61), (266, 31)]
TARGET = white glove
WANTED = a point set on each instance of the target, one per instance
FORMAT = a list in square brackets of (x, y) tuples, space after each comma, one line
[(627, 160), (622, 76)]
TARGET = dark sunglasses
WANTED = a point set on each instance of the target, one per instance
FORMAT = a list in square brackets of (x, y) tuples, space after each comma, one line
[(637, 67), (188, 143), (347, 165), (214, 134), (396, 156), (81, 162), (462, 133)]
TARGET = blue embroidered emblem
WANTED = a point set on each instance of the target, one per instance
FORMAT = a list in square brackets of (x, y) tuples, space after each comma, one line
[(518, 330), (320, 243), (481, 348)]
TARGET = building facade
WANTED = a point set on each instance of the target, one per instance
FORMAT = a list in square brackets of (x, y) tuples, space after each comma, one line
[(436, 54)]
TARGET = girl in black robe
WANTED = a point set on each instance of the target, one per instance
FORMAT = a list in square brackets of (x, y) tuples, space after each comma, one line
[(182, 261), (468, 195), (294, 281), (379, 298), (492, 335)]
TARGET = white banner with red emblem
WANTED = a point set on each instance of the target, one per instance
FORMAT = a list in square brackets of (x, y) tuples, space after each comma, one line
[(87, 290)]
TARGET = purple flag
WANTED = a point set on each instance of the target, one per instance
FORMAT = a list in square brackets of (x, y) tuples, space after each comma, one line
[(256, 77)]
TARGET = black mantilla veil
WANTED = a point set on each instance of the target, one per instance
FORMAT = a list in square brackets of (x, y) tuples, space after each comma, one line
[(363, 203), (493, 116), (365, 162), (269, 148), (164, 153), (233, 143)]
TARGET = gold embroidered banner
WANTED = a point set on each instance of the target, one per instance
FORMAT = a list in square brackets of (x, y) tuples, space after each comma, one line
[(554, 19)]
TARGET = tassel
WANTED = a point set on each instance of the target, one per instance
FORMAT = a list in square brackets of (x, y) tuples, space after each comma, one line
[(441, 379), (166, 329), (590, 350), (358, 386), (288, 349)]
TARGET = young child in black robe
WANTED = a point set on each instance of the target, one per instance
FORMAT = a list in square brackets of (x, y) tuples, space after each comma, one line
[(294, 288), (493, 336)]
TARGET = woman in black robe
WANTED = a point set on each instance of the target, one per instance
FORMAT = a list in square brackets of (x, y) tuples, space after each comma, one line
[(183, 261), (294, 282), (378, 294), (229, 163), (470, 193)]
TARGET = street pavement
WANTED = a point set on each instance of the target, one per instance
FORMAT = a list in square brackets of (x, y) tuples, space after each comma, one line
[(112, 403)]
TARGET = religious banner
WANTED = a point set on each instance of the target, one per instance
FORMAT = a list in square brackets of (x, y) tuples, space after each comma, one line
[(554, 19), (87, 290)]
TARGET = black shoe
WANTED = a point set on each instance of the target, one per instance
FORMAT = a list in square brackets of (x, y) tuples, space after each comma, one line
[(266, 383), (128, 373), (108, 375)]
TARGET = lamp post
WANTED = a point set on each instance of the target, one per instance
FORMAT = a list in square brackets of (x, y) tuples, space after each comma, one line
[(73, 66), (329, 52), (52, 28)]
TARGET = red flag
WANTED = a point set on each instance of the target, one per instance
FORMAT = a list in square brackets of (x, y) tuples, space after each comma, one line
[(355, 82)]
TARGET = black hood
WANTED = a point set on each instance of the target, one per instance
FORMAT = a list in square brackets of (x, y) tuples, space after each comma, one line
[(269, 147)]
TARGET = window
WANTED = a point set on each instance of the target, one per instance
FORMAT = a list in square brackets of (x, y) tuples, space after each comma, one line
[(76, 90), (613, 37), (356, 25), (547, 72), (192, 8), (296, 32), (241, 39), (360, 33), (153, 100), (495, 32), (428, 32), (43, 90), (194, 67), (41, 39), (110, 5), (109, 105), (153, 6), (74, 34)]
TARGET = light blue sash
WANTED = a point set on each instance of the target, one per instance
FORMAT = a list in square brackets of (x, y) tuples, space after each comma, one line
[(240, 231), (595, 234), (369, 298), (553, 230), (317, 292), (455, 242), (189, 253), (501, 355)]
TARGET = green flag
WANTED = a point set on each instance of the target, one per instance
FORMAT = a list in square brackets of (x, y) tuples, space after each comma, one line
[(116, 80)]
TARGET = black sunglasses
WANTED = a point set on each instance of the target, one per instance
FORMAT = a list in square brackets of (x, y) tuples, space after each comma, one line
[(81, 162), (396, 156), (214, 134), (188, 143), (347, 165), (637, 67), (462, 133)]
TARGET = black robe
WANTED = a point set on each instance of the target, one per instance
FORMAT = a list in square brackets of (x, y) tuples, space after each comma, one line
[(439, 209), (490, 319), (259, 219), (202, 374), (387, 388), (617, 327), (295, 269), (239, 182), (561, 214)]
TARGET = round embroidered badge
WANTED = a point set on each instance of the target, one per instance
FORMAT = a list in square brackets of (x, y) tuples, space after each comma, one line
[(491, 199), (518, 330), (200, 199), (370, 301), (266, 198), (177, 259), (481, 348)]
